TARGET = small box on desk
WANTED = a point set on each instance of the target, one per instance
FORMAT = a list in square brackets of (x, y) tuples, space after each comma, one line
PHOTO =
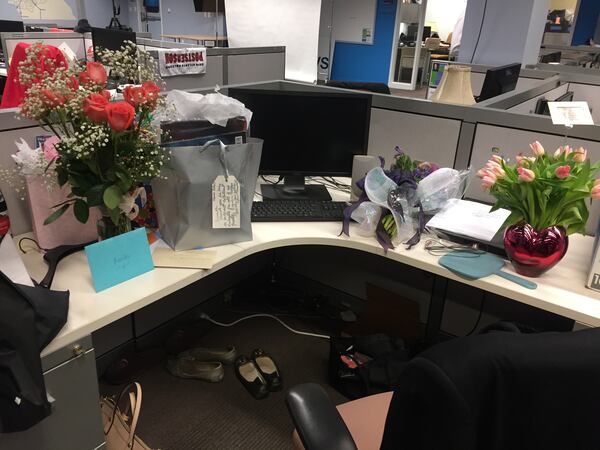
[(593, 279)]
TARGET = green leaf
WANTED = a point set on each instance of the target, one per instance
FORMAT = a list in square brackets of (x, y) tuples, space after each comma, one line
[(56, 214), (63, 176), (94, 195), (112, 197), (81, 210)]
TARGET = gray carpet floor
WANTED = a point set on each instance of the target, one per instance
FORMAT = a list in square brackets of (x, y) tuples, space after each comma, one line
[(189, 414)]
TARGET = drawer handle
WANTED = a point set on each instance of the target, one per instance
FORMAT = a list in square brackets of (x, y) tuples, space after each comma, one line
[(78, 350)]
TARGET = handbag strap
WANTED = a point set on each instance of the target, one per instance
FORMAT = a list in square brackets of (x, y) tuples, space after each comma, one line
[(135, 400)]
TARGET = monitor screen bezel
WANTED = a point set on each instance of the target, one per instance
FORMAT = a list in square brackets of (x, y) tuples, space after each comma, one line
[(366, 96)]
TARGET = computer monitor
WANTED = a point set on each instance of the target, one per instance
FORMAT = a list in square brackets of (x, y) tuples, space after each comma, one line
[(542, 108), (500, 80), (110, 39), (306, 133), (10, 26), (209, 5), (426, 33)]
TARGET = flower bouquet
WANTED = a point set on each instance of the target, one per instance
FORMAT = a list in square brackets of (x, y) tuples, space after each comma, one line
[(105, 148), (547, 197), (394, 191)]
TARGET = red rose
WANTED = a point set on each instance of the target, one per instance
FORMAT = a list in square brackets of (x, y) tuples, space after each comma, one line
[(134, 95), (151, 91), (120, 115), (52, 100), (95, 105), (94, 73)]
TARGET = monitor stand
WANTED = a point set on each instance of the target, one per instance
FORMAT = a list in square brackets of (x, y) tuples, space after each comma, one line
[(294, 188)]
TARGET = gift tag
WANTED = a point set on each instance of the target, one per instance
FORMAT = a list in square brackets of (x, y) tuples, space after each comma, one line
[(226, 202)]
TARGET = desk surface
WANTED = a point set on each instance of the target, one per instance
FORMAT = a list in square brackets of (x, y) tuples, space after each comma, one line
[(195, 37), (562, 290)]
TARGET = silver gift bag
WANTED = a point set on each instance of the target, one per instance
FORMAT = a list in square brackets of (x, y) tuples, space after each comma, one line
[(205, 196)]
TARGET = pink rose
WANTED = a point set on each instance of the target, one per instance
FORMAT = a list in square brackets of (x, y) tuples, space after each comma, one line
[(49, 149), (580, 155), (562, 172), (497, 159), (482, 173), (526, 175), (537, 148)]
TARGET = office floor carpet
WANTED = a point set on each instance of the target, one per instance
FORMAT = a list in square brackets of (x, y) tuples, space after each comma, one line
[(189, 414)]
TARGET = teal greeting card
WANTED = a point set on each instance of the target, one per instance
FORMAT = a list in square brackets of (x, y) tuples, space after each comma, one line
[(119, 259)]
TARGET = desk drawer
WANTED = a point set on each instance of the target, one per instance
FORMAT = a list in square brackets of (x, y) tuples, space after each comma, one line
[(75, 422)]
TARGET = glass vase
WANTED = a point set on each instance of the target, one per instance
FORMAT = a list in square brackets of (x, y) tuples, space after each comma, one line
[(108, 229), (533, 252)]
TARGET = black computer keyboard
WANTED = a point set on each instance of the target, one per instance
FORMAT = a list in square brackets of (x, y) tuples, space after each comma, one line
[(297, 211)]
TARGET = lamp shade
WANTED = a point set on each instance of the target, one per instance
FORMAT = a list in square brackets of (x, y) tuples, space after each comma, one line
[(455, 86)]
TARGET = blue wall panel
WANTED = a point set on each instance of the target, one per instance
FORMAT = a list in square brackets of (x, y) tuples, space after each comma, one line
[(586, 21), (364, 62)]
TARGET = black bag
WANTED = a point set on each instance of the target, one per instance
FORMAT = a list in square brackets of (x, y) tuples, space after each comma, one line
[(30, 317), (366, 365)]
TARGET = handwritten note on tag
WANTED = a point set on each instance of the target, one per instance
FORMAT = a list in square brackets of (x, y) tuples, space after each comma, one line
[(226, 202), (570, 113)]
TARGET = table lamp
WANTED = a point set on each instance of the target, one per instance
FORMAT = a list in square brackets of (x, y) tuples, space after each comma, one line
[(455, 86)]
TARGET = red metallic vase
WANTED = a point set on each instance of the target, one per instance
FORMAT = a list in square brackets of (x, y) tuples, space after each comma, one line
[(533, 252)]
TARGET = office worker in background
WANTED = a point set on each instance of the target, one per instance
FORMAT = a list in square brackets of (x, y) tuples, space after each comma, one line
[(455, 37)]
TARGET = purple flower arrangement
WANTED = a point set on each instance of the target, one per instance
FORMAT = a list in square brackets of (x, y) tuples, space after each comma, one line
[(407, 174)]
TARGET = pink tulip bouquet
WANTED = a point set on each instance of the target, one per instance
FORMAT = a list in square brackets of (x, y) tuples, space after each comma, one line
[(544, 190)]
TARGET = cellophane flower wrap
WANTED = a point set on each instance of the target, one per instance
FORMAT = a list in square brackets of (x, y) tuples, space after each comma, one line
[(106, 148), (405, 174), (544, 189)]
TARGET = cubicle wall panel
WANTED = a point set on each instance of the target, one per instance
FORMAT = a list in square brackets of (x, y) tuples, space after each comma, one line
[(17, 206), (424, 138), (528, 107), (255, 67), (510, 142), (212, 77), (588, 93)]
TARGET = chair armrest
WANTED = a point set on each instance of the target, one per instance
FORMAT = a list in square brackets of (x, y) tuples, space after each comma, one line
[(317, 421)]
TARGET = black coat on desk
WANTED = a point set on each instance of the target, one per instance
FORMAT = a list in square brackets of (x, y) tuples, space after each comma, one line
[(500, 391), (30, 317)]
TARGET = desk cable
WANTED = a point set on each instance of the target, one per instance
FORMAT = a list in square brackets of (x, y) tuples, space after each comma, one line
[(270, 316)]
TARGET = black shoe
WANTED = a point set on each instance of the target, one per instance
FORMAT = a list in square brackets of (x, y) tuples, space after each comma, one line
[(249, 375), (268, 369)]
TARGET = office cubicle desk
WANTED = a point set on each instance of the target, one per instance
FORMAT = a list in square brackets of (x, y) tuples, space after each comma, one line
[(561, 291)]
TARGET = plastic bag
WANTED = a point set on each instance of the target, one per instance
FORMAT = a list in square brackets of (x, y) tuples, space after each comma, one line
[(367, 215), (436, 189), (216, 108)]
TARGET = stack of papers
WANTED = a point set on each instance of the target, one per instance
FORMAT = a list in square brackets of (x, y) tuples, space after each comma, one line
[(469, 219)]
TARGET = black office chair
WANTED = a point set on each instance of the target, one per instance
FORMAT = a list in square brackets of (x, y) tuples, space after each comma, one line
[(494, 391), (378, 88)]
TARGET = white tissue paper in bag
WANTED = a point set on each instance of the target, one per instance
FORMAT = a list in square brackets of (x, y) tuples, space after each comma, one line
[(436, 189), (216, 108)]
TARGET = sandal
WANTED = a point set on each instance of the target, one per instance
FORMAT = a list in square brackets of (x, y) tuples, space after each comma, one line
[(249, 375), (268, 369)]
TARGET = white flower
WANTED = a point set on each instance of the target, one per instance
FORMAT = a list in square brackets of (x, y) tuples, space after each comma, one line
[(29, 160)]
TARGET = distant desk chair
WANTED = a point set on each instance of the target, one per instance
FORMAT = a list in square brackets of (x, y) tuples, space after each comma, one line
[(495, 391), (378, 88)]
